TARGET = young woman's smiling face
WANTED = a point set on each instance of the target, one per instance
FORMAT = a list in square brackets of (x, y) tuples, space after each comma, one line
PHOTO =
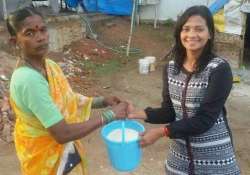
[(194, 34), (33, 37)]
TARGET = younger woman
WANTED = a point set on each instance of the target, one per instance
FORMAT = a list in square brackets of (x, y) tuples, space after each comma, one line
[(196, 86)]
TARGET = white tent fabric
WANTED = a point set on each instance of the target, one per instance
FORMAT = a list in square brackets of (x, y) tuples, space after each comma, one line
[(233, 17)]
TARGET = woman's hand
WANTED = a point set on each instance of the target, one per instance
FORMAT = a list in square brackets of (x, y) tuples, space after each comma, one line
[(111, 101), (151, 136), (137, 114), (81, 100), (120, 110)]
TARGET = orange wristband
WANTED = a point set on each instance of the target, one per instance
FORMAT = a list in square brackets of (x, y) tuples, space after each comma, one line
[(166, 131)]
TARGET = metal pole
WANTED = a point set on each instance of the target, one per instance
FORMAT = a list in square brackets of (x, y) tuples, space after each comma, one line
[(207, 2), (131, 27), (156, 15), (5, 13), (54, 6)]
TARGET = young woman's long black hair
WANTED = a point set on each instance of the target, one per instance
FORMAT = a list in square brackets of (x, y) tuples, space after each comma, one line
[(179, 51), (15, 19)]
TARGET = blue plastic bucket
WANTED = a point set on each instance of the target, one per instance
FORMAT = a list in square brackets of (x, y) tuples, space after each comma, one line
[(124, 156)]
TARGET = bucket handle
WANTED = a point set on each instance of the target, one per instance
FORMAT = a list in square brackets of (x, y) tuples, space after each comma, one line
[(123, 131)]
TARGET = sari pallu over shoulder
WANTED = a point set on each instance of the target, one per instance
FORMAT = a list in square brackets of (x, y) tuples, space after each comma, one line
[(37, 150)]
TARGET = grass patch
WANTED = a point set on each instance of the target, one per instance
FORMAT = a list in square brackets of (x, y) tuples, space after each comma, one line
[(169, 23), (106, 68)]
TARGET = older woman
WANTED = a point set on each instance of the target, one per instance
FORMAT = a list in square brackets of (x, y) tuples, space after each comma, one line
[(50, 117)]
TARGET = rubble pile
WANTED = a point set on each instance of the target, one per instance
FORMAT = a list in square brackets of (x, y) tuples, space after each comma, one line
[(86, 49), (7, 119)]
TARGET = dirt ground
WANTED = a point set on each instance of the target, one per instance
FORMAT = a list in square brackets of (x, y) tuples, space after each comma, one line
[(143, 91)]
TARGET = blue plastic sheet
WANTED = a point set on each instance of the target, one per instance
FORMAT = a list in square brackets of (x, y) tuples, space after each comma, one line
[(116, 7), (112, 7), (217, 5), (72, 3), (91, 5)]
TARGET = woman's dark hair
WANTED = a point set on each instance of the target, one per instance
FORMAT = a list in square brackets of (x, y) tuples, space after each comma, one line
[(16, 18), (179, 51)]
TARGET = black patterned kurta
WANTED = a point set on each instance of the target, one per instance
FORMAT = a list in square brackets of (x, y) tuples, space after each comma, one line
[(193, 105)]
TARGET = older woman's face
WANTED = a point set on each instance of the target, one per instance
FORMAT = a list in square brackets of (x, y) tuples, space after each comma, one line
[(194, 34), (33, 37)]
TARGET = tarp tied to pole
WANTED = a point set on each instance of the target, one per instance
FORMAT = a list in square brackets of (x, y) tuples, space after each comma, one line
[(228, 18), (112, 7)]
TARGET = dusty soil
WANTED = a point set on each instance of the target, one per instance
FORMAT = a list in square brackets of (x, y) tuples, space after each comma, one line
[(142, 90)]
